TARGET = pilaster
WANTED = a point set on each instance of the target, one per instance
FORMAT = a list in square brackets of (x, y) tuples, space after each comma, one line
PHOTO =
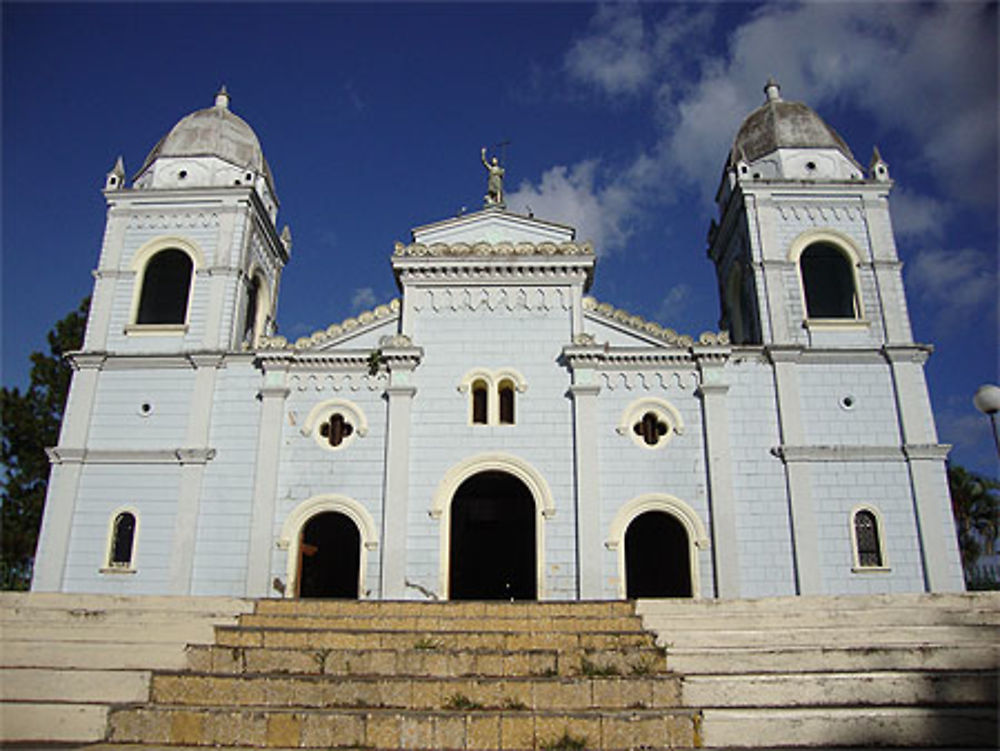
[(395, 507), (719, 464), (265, 485), (588, 500)]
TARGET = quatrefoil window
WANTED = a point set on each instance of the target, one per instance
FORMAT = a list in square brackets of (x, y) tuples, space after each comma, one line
[(650, 428), (336, 429)]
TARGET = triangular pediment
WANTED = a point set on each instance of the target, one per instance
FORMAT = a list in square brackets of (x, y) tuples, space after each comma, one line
[(492, 226)]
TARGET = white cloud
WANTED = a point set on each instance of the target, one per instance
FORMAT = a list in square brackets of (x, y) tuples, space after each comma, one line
[(956, 282), (612, 56), (363, 298), (569, 195), (918, 216), (673, 303)]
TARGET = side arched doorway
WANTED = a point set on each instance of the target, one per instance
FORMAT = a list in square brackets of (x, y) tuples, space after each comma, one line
[(329, 553), (657, 557), (493, 539)]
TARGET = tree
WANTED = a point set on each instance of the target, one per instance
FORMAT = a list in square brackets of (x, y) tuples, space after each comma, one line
[(975, 503), (29, 422)]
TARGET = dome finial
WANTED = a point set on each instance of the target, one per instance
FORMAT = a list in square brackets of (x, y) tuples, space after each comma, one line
[(772, 90), (222, 98)]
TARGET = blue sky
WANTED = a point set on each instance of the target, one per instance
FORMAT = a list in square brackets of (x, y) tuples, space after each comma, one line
[(619, 119)]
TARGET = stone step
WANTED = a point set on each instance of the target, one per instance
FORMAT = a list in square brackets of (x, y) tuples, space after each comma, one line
[(672, 620), (870, 636), (52, 722), (36, 602), (825, 727), (73, 686), (233, 636), (178, 630), (873, 689), (386, 729), (948, 602), (91, 655), (407, 692), (444, 622), (447, 608), (714, 660), (437, 663)]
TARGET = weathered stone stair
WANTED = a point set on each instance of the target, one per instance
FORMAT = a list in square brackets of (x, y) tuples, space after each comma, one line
[(881, 670), (393, 675)]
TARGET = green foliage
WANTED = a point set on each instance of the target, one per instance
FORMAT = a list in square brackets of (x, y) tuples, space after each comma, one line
[(29, 422), (461, 702), (566, 743), (975, 504), (593, 670)]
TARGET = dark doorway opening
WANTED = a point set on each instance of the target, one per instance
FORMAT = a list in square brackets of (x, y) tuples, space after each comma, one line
[(493, 540), (657, 557), (329, 557)]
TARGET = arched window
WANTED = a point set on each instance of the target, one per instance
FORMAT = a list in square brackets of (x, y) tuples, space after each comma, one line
[(480, 403), (506, 395), (166, 284), (828, 282), (650, 422), (122, 541), (250, 314), (867, 540)]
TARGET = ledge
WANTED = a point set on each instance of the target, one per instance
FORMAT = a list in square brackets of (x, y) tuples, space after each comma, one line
[(155, 329), (61, 455)]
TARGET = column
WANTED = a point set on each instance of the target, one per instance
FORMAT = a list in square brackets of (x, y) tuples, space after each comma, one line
[(589, 551), (719, 462), (265, 485)]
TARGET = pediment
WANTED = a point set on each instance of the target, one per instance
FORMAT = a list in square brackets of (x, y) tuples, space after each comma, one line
[(492, 226)]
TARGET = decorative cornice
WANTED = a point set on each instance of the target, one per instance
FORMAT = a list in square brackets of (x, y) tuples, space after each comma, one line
[(63, 455), (492, 250), (790, 454), (607, 313), (129, 361), (917, 353), (336, 331), (932, 451)]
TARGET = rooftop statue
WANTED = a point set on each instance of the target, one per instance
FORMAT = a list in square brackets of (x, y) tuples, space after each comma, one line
[(494, 183)]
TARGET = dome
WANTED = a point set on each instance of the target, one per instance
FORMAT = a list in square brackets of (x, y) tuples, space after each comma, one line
[(778, 124), (214, 131)]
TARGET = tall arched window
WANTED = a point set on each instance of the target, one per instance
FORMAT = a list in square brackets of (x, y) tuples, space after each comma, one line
[(250, 314), (828, 282), (505, 392), (122, 541), (166, 285), (480, 403), (869, 552)]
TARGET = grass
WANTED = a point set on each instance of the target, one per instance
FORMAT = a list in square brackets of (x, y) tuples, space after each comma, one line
[(425, 643), (461, 701), (566, 743), (509, 703), (593, 670)]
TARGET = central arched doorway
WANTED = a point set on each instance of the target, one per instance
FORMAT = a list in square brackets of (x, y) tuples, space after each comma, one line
[(329, 557), (657, 557), (493, 539)]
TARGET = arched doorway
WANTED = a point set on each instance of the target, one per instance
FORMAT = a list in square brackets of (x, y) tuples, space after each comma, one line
[(329, 557), (657, 557), (493, 543)]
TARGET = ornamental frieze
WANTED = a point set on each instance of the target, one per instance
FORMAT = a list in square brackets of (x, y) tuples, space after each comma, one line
[(172, 220), (492, 250), (493, 298)]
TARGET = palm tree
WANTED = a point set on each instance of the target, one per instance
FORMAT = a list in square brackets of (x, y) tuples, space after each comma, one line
[(975, 503)]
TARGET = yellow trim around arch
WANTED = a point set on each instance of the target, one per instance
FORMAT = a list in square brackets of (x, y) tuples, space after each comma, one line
[(496, 462), (291, 532), (842, 243), (668, 504), (141, 259)]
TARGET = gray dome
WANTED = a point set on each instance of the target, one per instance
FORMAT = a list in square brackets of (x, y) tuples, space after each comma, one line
[(779, 124), (214, 131)]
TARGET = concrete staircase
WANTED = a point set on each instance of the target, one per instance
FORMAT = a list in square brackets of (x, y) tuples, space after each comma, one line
[(393, 675), (65, 659), (892, 670)]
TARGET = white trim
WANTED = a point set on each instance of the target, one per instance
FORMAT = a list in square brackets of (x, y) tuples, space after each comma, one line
[(687, 516), (857, 568), (844, 244), (106, 565), (495, 462), (140, 260), (291, 533), (323, 410), (666, 411)]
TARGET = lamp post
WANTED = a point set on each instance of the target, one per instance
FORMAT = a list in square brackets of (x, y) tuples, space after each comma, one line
[(987, 401)]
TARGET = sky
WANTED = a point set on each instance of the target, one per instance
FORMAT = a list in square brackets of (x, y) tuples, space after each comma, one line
[(618, 118)]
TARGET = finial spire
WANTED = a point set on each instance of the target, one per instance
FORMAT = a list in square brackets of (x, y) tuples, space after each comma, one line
[(222, 98), (772, 90)]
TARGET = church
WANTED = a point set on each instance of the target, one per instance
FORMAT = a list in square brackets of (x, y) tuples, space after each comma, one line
[(495, 432)]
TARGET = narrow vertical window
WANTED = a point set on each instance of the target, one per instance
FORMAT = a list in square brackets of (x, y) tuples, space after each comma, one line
[(506, 395), (479, 403), (166, 283), (122, 541), (866, 537), (250, 316)]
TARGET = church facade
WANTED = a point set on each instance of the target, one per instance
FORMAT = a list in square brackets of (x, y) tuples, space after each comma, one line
[(496, 433)]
